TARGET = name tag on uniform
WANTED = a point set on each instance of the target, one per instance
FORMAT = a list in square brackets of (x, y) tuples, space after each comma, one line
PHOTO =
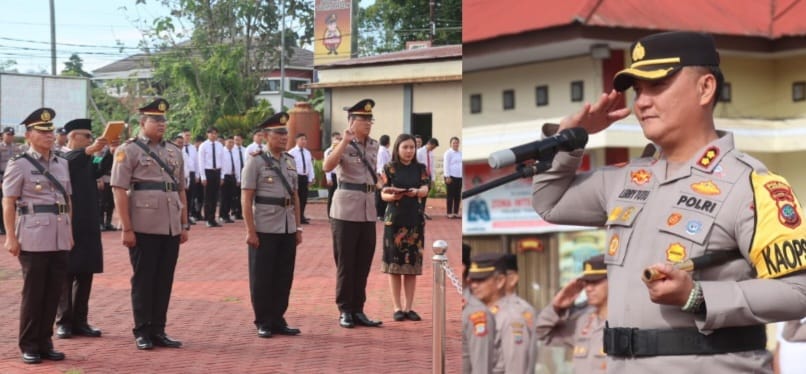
[(36, 172)]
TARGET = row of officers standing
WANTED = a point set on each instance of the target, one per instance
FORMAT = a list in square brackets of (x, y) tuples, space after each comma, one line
[(53, 227)]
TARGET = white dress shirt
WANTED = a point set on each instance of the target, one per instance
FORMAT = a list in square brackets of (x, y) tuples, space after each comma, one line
[(307, 168), (426, 157), (231, 160), (383, 158), (452, 163), (191, 164), (206, 157), (331, 175), (255, 147), (187, 160)]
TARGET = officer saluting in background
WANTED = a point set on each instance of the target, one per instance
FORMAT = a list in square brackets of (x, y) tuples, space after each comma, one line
[(149, 187), (353, 213), (271, 212), (36, 191)]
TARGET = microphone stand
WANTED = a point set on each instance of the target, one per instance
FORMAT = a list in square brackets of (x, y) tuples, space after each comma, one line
[(521, 171)]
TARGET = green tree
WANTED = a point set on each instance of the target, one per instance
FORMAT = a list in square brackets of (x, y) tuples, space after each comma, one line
[(387, 25), (8, 66), (209, 55), (74, 67)]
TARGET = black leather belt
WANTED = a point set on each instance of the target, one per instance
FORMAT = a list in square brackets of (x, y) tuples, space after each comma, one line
[(281, 201), (633, 342), (357, 187), (49, 208), (156, 186)]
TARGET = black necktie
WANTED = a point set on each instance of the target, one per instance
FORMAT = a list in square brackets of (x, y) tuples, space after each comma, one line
[(260, 147), (304, 169), (232, 161), (186, 150), (214, 166), (240, 156)]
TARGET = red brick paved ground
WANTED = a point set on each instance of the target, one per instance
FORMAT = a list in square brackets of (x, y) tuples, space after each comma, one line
[(211, 313)]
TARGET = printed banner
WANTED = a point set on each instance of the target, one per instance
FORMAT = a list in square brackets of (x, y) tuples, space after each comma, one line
[(333, 25)]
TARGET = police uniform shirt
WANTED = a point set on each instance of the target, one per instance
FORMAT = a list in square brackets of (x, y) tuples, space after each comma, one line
[(478, 336), (723, 200), (39, 232), (512, 338), (206, 157), (579, 329), (152, 211), (231, 160), (259, 176), (529, 314), (350, 205), (7, 151), (303, 155)]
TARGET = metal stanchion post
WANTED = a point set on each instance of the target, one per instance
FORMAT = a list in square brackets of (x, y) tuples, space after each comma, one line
[(439, 247)]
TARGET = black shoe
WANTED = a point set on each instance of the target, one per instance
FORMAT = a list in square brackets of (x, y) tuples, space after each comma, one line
[(2, 231), (413, 316), (143, 342), (346, 320), (427, 216), (52, 355), (285, 330), (263, 332), (63, 332), (362, 319), (305, 221), (162, 340), (213, 224), (31, 358), (399, 315), (87, 330), (227, 220)]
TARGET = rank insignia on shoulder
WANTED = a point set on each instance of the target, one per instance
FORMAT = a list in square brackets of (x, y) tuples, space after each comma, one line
[(612, 248), (640, 176), (708, 157)]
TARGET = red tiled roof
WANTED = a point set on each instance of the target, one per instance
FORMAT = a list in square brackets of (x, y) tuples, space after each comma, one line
[(420, 54), (485, 19)]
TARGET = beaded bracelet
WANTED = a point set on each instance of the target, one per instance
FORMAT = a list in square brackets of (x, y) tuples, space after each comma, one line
[(695, 299)]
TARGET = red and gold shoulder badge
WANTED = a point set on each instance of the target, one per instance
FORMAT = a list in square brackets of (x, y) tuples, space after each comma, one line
[(785, 201), (706, 188), (479, 320), (640, 176), (708, 157)]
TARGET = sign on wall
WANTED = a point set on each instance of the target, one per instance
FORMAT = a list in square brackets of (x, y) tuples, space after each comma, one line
[(333, 27)]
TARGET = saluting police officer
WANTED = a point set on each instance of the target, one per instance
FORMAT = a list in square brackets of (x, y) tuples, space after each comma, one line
[(487, 276), (149, 187), (478, 328), (8, 149), (271, 213), (36, 205), (700, 196), (353, 213), (579, 327)]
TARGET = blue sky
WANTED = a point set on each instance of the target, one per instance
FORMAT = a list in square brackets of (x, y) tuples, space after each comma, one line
[(90, 28)]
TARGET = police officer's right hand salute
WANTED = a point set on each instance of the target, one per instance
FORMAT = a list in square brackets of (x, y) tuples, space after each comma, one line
[(565, 298)]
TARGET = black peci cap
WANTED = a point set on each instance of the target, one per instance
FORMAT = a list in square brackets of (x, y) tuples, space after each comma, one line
[(658, 56), (78, 124)]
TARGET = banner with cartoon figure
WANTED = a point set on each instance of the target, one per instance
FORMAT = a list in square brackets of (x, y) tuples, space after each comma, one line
[(333, 30)]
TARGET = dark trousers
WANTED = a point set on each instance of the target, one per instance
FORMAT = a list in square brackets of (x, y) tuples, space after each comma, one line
[(302, 192), (190, 193), (107, 204), (271, 272), (2, 220), (228, 191), (75, 300), (380, 205), (43, 276), (197, 203), (153, 262), (454, 192), (330, 191), (236, 203), (353, 248), (211, 193)]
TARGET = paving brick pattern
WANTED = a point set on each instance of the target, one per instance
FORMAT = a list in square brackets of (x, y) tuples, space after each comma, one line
[(211, 312)]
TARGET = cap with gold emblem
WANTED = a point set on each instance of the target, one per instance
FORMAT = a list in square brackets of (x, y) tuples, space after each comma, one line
[(361, 108), (594, 269), (41, 119), (483, 265), (78, 124), (158, 107), (277, 123), (8, 130), (661, 55)]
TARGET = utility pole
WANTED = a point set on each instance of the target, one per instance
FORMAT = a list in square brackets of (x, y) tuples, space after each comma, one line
[(431, 4), (52, 39), (282, 57)]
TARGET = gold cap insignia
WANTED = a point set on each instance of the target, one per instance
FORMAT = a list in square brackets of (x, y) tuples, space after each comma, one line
[(368, 107), (588, 267), (162, 107), (638, 52), (45, 116), (283, 119)]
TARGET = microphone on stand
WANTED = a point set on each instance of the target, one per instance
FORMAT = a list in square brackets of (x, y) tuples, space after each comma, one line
[(566, 140)]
